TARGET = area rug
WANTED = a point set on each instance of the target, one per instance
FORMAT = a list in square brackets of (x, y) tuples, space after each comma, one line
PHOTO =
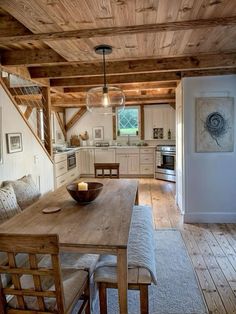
[(177, 291)]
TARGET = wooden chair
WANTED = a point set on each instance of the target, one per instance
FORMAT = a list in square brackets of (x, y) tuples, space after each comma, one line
[(109, 167), (39, 289)]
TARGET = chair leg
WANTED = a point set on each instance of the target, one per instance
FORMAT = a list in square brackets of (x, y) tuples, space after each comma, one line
[(144, 299), (103, 298)]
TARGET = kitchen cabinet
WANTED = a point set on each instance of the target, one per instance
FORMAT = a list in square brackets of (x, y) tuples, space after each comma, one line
[(87, 161), (104, 155), (129, 160), (61, 173), (161, 116), (147, 161)]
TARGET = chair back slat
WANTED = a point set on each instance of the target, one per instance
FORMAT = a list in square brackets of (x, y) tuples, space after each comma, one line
[(27, 279), (37, 281), (16, 280)]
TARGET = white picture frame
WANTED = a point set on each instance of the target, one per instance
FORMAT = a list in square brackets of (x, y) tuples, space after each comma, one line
[(98, 133), (14, 142)]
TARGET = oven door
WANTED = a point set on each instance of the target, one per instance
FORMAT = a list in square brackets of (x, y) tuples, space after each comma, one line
[(165, 162), (71, 161)]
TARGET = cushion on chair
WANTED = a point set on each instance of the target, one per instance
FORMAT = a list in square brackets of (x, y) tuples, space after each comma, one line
[(8, 203), (75, 261), (26, 191), (73, 281)]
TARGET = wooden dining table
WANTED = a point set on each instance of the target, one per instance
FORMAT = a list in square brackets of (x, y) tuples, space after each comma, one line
[(100, 227)]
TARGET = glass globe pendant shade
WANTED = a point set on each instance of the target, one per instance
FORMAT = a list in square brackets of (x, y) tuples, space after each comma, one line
[(106, 98)]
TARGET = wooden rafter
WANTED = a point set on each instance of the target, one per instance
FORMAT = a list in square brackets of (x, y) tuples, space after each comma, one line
[(142, 122), (61, 123), (123, 30), (132, 86), (76, 117), (28, 112), (203, 61), (116, 79)]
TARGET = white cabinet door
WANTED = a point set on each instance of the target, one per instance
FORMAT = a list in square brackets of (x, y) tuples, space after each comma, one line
[(148, 132), (78, 163), (91, 160), (105, 155), (123, 161), (133, 164), (87, 161)]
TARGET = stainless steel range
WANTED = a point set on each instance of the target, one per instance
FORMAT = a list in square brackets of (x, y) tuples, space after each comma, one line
[(165, 162)]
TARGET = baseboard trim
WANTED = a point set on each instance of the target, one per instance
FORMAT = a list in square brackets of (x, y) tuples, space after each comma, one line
[(208, 217)]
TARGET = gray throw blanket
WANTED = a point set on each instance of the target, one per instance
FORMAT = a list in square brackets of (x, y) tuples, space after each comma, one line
[(141, 243)]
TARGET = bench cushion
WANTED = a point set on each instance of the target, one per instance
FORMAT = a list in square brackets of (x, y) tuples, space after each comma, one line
[(26, 191), (141, 258), (8, 203)]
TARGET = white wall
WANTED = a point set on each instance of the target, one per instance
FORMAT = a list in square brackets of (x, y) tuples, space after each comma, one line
[(32, 160), (88, 122), (210, 178)]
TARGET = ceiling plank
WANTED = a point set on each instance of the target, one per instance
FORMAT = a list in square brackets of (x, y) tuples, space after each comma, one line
[(128, 87), (116, 79), (138, 66), (122, 30)]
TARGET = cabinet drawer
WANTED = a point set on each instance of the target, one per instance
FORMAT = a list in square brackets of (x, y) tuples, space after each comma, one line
[(60, 168), (146, 158), (146, 150), (71, 175), (146, 169), (127, 151), (61, 180), (60, 157)]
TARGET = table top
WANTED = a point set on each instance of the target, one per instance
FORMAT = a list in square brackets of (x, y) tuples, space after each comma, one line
[(102, 225)]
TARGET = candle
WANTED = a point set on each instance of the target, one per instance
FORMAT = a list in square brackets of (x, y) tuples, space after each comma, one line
[(83, 186)]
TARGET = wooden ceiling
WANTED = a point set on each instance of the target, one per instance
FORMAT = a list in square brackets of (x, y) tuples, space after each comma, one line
[(154, 42)]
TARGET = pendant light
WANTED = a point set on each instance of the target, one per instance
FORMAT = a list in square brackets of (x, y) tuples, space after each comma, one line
[(105, 97)]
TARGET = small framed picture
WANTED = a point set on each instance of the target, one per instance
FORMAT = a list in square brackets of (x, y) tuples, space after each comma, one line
[(14, 142), (98, 133)]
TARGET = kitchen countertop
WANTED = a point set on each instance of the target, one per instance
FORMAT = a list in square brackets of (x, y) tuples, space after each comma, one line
[(97, 147)]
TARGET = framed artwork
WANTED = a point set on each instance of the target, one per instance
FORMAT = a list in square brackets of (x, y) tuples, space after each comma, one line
[(214, 124), (14, 142), (98, 133), (158, 133)]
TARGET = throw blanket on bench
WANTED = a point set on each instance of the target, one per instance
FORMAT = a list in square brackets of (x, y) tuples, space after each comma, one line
[(141, 243)]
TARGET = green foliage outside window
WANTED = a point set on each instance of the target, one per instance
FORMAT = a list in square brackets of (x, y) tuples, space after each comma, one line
[(127, 121)]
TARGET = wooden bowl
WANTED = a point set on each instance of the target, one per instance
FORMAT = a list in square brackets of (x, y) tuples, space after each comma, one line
[(83, 197)]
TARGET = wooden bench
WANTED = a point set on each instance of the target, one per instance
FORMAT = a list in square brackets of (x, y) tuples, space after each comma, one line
[(109, 167), (141, 244)]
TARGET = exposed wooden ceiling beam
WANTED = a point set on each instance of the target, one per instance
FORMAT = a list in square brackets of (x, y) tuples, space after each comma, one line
[(138, 66), (161, 98), (128, 87), (209, 72), (116, 79), (30, 57), (61, 124), (76, 117), (123, 30)]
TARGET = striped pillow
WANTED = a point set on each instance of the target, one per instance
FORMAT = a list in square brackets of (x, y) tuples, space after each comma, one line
[(8, 203)]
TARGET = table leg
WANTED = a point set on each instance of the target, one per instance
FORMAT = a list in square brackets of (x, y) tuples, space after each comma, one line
[(137, 198), (122, 280)]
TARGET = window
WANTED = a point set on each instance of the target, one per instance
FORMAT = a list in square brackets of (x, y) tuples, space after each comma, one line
[(127, 121)]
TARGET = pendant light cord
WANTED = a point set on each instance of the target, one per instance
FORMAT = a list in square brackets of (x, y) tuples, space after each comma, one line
[(104, 69)]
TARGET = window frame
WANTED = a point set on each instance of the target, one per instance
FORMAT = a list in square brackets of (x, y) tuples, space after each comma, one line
[(124, 136)]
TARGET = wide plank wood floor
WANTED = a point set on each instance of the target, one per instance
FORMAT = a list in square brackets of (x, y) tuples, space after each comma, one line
[(212, 247)]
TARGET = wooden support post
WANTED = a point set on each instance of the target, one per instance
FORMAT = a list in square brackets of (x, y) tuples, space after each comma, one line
[(28, 112), (142, 122), (46, 101), (61, 123)]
